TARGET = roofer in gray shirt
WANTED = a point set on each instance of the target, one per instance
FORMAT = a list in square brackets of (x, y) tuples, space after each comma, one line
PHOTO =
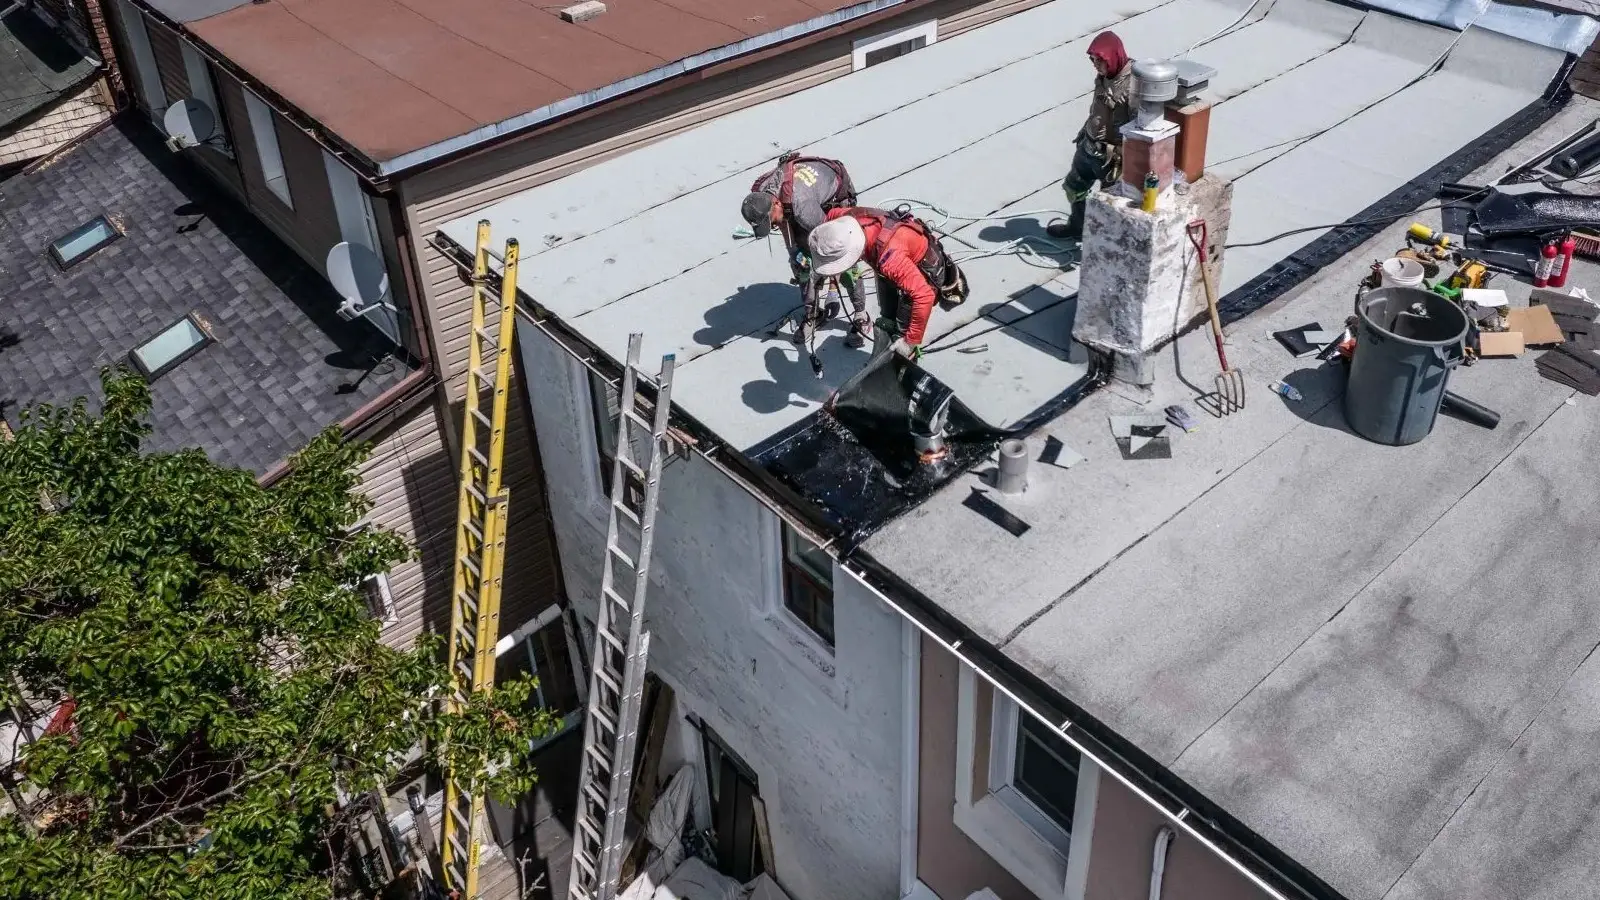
[(794, 198)]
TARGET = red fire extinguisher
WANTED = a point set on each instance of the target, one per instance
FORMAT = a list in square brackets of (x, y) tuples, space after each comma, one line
[(1545, 265), (1569, 246)]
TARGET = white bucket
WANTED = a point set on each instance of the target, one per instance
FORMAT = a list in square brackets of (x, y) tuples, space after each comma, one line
[(1401, 272)]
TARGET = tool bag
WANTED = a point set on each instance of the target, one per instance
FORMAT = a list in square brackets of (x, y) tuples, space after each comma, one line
[(948, 281)]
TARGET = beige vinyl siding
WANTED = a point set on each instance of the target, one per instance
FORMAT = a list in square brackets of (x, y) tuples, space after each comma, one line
[(437, 196), (68, 121), (411, 481)]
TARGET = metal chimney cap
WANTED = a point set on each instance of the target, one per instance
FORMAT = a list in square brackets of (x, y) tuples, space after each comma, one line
[(1157, 80), (1192, 73)]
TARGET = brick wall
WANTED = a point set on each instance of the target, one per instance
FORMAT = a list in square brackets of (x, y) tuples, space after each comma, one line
[(1586, 74)]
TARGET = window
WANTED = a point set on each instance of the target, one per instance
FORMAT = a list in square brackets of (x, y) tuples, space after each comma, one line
[(380, 602), (77, 244), (808, 584), (1023, 794), (1035, 773), (205, 90), (871, 51), (144, 58), (606, 411), (162, 353), (263, 127)]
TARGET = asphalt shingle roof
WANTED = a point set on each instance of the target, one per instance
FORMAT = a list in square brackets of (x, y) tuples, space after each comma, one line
[(274, 376)]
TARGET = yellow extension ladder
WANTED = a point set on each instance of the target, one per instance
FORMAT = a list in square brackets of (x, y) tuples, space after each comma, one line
[(480, 547)]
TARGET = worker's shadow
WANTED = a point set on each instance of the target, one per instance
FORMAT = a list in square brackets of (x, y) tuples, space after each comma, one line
[(1031, 231), (792, 382), (751, 309)]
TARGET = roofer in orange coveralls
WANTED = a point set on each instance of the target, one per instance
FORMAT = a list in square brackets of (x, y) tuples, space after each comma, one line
[(913, 270)]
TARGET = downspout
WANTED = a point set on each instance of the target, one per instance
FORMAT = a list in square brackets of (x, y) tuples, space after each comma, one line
[(1158, 861)]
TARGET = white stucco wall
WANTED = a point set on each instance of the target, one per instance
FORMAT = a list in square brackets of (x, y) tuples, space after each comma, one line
[(823, 732)]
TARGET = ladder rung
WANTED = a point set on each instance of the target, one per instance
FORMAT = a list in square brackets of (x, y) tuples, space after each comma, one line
[(469, 601), (614, 641), (593, 833), (472, 565), (605, 718), (623, 510), (631, 466), (595, 794), (610, 682), (586, 861), (599, 756), (640, 421), (478, 455), (488, 336), (464, 669), (481, 376), (478, 414), (614, 597), (618, 552)]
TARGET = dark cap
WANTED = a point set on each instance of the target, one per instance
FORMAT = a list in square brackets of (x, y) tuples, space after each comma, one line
[(757, 210)]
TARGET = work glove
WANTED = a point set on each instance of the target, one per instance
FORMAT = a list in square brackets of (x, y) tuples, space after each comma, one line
[(906, 350)]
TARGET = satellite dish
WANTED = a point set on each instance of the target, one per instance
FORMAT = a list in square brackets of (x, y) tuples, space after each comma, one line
[(358, 275), (190, 122)]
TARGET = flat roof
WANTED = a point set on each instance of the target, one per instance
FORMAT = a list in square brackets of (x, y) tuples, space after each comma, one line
[(1309, 98), (283, 365), (1375, 658), (400, 79), (1380, 659)]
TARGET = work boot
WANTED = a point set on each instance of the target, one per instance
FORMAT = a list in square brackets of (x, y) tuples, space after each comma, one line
[(860, 333), (1071, 229)]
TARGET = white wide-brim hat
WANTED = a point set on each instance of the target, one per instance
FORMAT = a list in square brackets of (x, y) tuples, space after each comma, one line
[(836, 245)]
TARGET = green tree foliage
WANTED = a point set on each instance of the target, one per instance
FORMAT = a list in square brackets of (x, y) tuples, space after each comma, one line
[(228, 680)]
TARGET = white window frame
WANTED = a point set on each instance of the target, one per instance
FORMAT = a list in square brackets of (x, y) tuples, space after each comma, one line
[(205, 90), (268, 154), (357, 225), (792, 638), (928, 31), (993, 822), (144, 58)]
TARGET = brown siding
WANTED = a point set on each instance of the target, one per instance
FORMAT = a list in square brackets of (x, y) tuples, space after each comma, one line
[(169, 61), (410, 479), (442, 194), (69, 120), (312, 226), (947, 860), (1586, 74), (1125, 829)]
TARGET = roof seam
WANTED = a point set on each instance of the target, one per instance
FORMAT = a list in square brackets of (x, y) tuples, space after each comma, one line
[(670, 5), (854, 125), (1176, 760), (1053, 604), (1496, 766)]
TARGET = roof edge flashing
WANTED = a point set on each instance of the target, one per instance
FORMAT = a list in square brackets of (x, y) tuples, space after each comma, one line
[(1566, 32), (506, 127)]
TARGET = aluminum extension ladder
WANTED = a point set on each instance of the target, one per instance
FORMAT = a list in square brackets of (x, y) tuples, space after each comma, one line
[(621, 645), (480, 549)]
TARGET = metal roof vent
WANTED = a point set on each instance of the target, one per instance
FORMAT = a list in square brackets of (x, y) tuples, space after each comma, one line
[(583, 12), (1155, 82), (1193, 78)]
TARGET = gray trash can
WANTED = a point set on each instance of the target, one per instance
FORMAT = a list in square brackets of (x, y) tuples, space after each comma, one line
[(1407, 341)]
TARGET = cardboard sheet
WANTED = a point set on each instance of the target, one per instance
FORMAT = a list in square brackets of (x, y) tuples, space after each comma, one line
[(1537, 325), (1501, 343)]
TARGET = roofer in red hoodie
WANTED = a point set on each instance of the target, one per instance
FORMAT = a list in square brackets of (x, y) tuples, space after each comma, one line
[(913, 270), (793, 199)]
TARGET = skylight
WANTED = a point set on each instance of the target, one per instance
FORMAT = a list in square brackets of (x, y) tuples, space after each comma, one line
[(162, 353), (77, 244)]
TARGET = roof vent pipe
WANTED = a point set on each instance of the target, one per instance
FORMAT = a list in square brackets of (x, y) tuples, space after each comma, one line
[(1012, 476), (1155, 82)]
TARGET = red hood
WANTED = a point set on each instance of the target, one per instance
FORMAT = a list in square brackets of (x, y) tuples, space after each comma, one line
[(1107, 48)]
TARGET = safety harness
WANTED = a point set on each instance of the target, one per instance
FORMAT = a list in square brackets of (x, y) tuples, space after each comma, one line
[(948, 281), (843, 195)]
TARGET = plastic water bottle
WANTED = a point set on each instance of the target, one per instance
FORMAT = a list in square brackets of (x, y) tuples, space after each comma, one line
[(1287, 390)]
